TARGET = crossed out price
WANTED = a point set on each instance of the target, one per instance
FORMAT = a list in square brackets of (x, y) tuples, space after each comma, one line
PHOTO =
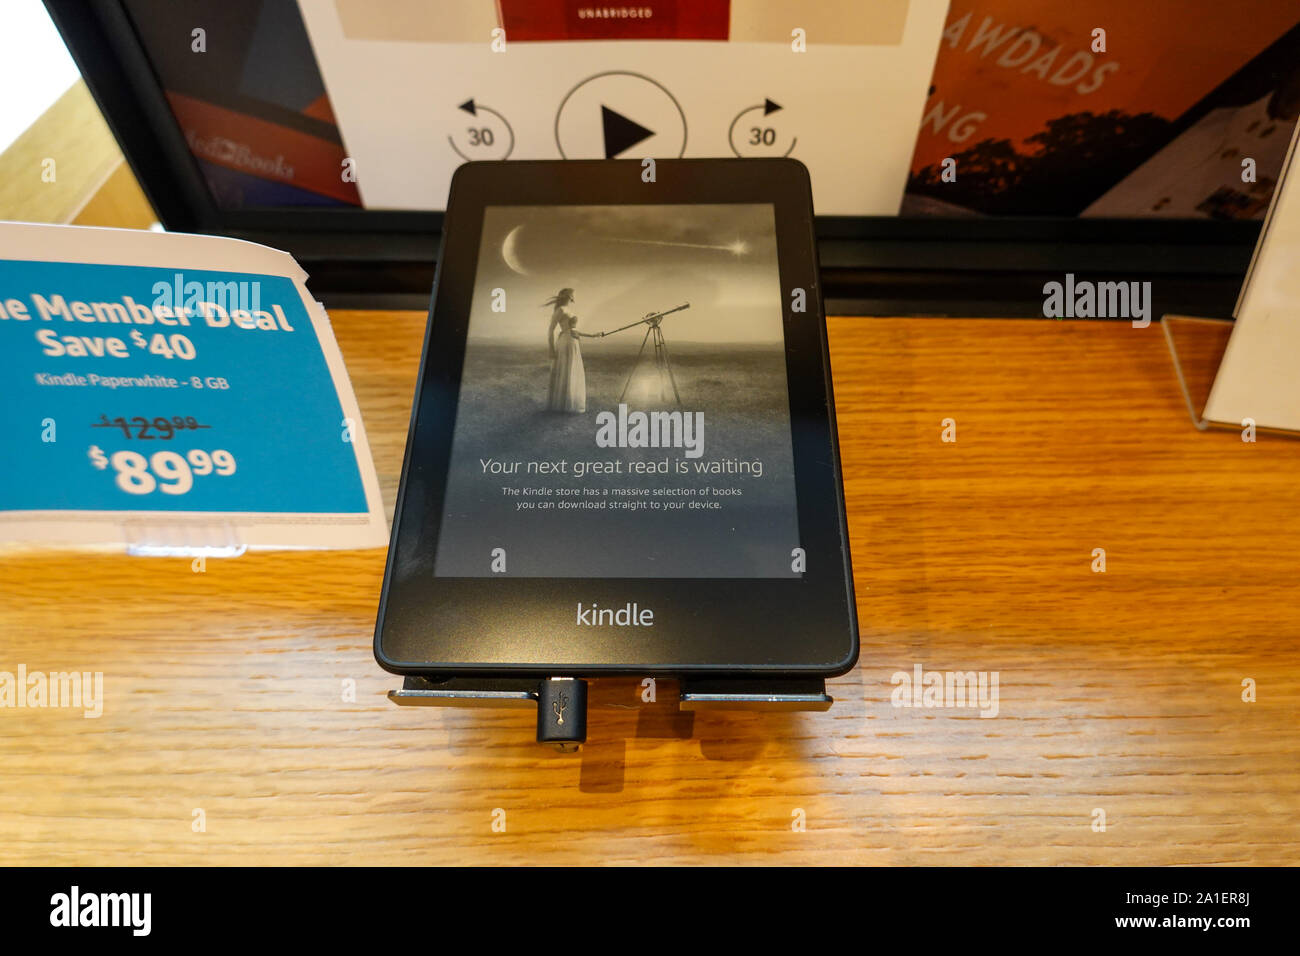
[(167, 471)]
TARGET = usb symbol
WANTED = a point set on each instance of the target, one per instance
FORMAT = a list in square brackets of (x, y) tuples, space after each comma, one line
[(559, 705)]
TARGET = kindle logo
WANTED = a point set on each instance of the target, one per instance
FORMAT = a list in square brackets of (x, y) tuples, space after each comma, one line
[(629, 615)]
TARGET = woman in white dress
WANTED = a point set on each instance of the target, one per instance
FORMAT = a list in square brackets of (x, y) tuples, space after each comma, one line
[(568, 392)]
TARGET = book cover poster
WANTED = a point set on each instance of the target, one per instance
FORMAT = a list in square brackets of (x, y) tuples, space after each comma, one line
[(243, 85), (1107, 107)]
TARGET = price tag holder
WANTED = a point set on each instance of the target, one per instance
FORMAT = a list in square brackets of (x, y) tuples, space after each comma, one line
[(174, 409)]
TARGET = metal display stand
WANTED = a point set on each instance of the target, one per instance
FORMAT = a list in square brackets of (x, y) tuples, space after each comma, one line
[(562, 701)]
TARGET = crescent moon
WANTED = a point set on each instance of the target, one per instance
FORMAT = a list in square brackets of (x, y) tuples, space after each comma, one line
[(508, 253)]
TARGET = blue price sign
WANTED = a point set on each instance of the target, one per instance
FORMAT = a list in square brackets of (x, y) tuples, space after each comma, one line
[(145, 389)]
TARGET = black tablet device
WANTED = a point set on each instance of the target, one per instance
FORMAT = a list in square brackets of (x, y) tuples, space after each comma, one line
[(622, 455)]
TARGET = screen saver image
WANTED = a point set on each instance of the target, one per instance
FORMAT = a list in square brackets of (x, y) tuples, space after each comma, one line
[(623, 408)]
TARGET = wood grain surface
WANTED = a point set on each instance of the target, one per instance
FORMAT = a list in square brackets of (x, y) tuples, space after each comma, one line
[(58, 166), (1120, 691)]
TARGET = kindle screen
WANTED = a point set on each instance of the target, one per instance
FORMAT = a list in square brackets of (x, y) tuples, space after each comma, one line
[(623, 408)]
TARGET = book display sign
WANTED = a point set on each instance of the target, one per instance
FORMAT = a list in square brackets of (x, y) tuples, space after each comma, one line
[(173, 394), (419, 89)]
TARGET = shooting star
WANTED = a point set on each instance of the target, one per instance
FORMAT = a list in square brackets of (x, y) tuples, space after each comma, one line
[(737, 248)]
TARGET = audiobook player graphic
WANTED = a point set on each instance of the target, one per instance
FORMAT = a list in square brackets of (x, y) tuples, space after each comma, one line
[(620, 133), (615, 112)]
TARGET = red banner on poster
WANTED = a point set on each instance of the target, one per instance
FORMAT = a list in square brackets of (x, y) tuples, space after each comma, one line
[(541, 20)]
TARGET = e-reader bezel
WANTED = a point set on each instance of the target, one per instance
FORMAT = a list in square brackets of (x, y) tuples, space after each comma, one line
[(526, 626)]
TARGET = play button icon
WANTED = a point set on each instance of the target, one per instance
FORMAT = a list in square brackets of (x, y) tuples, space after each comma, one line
[(596, 119), (620, 132)]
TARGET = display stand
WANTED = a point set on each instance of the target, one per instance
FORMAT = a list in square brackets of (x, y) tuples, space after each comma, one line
[(1196, 346), (562, 701), (182, 539)]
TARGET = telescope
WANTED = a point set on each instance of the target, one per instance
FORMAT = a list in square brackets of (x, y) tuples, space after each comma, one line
[(663, 366), (653, 318)]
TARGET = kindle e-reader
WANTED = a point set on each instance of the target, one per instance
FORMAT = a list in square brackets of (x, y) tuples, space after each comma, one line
[(622, 455)]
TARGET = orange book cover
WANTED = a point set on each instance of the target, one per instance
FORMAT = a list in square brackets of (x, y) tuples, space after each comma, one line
[(1044, 107)]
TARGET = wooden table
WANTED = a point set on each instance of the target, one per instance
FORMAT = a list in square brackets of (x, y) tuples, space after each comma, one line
[(1120, 692)]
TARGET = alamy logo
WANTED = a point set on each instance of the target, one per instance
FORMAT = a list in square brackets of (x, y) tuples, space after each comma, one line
[(75, 908), (651, 430), (55, 689), (1083, 299), (629, 615), (923, 688)]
